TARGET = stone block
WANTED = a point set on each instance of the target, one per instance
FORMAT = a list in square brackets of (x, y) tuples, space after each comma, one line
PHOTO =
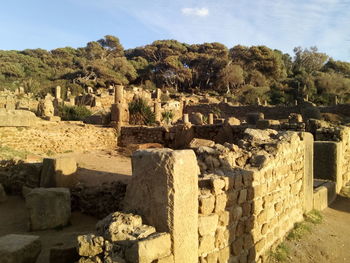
[(168, 259), (19, 248), (197, 142), (152, 248), (328, 162), (17, 118), (164, 191), (206, 244), (206, 204), (121, 226), (48, 208), (265, 124), (324, 195), (58, 172), (207, 224), (220, 202), (90, 245)]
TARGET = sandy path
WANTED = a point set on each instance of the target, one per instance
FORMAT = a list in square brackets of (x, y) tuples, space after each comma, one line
[(329, 242)]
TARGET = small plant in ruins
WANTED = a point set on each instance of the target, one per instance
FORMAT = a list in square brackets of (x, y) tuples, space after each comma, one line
[(167, 116), (141, 113), (74, 113), (216, 111)]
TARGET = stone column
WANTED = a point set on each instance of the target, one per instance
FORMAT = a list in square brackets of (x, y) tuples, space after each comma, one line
[(118, 94), (308, 179), (335, 100), (258, 102), (119, 110), (295, 102), (157, 111), (225, 100), (164, 191), (158, 94), (211, 118), (58, 92), (185, 118)]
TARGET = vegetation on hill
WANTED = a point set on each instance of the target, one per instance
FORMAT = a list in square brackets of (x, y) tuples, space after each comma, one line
[(242, 73)]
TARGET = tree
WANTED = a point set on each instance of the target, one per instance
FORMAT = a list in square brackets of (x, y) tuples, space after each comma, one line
[(308, 60), (231, 76)]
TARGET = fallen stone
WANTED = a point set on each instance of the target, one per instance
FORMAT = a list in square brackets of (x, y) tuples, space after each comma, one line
[(196, 143), (154, 247), (118, 226), (48, 208), (233, 121), (19, 248), (90, 245), (17, 118)]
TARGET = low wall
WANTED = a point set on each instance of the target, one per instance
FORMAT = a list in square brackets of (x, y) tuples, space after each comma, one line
[(270, 112), (244, 212)]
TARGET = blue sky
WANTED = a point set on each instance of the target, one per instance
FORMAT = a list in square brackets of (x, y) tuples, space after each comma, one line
[(279, 24)]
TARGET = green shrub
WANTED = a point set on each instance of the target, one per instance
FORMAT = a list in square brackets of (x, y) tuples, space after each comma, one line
[(141, 113), (167, 116), (74, 113)]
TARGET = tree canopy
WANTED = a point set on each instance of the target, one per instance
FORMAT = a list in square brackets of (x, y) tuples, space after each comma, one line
[(238, 72)]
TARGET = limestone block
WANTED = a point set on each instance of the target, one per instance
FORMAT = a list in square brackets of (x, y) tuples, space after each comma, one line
[(95, 259), (121, 226), (237, 246), (48, 208), (206, 244), (213, 257), (19, 248), (220, 202), (90, 245), (224, 255), (168, 259), (164, 191), (3, 196), (197, 142), (17, 118), (206, 204), (242, 196), (207, 224), (265, 124), (196, 118), (147, 250), (324, 195), (217, 184), (58, 172), (233, 121)]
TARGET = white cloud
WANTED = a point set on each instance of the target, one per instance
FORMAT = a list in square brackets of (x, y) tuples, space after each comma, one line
[(195, 11)]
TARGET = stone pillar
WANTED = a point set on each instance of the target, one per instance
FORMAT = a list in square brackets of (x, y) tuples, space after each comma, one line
[(225, 100), (158, 94), (157, 111), (164, 191), (295, 102), (211, 118), (328, 162), (185, 118), (258, 102), (308, 179), (58, 92), (335, 100), (184, 105), (118, 94), (265, 102), (307, 97)]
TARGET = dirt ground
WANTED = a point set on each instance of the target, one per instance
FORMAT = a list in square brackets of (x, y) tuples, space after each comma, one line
[(13, 220), (328, 242), (98, 167)]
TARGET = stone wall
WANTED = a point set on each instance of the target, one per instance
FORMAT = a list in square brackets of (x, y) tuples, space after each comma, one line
[(180, 135), (243, 212), (50, 138), (341, 136), (270, 112)]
